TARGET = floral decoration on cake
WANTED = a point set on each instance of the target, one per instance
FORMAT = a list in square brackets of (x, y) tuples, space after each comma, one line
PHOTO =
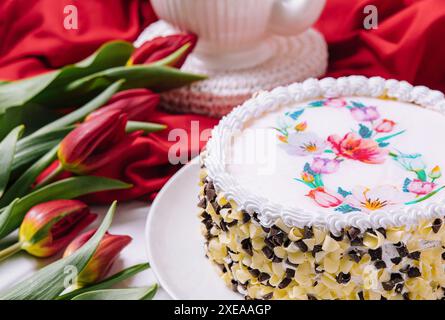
[(370, 144)]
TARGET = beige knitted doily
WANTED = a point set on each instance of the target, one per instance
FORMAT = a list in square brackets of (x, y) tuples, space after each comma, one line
[(295, 59)]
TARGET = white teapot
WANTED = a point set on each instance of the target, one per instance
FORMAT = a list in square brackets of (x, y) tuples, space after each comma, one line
[(233, 33)]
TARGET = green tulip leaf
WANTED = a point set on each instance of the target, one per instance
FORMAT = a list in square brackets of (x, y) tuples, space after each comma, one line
[(17, 93), (42, 89), (23, 184), (9, 119), (29, 149), (49, 282), (154, 77), (108, 282), (80, 113), (43, 136), (64, 189), (44, 139), (32, 153), (144, 293), (7, 151), (48, 89)]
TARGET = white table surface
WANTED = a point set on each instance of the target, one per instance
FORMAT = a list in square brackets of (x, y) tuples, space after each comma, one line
[(130, 220)]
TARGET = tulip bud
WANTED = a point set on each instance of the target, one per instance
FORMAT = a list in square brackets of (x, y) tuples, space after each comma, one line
[(301, 126), (102, 260), (93, 143), (436, 173), (283, 139), (49, 227), (307, 177), (162, 47), (324, 198), (137, 104), (385, 126)]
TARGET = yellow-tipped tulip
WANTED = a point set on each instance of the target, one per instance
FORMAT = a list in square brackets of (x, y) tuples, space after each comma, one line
[(307, 177), (302, 126), (436, 173), (49, 227), (94, 143)]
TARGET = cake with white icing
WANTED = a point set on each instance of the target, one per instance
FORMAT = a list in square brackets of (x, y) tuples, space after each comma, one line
[(329, 189)]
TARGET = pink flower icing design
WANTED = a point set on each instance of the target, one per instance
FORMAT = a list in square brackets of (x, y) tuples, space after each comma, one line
[(385, 126), (420, 187), (303, 144), (325, 199), (378, 198), (335, 103), (354, 147), (325, 166), (365, 145), (365, 114)]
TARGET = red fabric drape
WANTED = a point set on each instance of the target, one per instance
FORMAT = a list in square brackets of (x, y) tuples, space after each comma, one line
[(33, 38), (407, 45)]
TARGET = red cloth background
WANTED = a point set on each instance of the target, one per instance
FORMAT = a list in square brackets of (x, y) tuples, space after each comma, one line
[(33, 38), (408, 45)]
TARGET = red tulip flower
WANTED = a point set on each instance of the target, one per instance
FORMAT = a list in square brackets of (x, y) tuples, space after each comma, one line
[(49, 227), (325, 199), (162, 47), (385, 126), (93, 143), (137, 104), (102, 260)]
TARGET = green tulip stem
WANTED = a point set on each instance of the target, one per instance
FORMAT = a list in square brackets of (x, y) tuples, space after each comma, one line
[(147, 127), (50, 177), (11, 250)]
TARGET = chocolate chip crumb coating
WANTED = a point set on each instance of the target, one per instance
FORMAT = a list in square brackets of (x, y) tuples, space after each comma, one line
[(282, 262)]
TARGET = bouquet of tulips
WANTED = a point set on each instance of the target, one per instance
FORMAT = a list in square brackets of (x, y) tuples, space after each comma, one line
[(109, 93)]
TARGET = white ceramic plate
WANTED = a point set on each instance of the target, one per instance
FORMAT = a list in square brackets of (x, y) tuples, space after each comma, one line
[(175, 244)]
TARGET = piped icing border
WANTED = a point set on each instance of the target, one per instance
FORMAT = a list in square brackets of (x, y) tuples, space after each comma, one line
[(268, 212)]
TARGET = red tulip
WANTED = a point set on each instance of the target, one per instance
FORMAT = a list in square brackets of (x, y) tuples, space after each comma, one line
[(137, 104), (49, 227), (93, 143), (385, 126), (102, 260), (163, 47), (325, 199)]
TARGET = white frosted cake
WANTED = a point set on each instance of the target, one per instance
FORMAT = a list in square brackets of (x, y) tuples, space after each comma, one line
[(329, 189)]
